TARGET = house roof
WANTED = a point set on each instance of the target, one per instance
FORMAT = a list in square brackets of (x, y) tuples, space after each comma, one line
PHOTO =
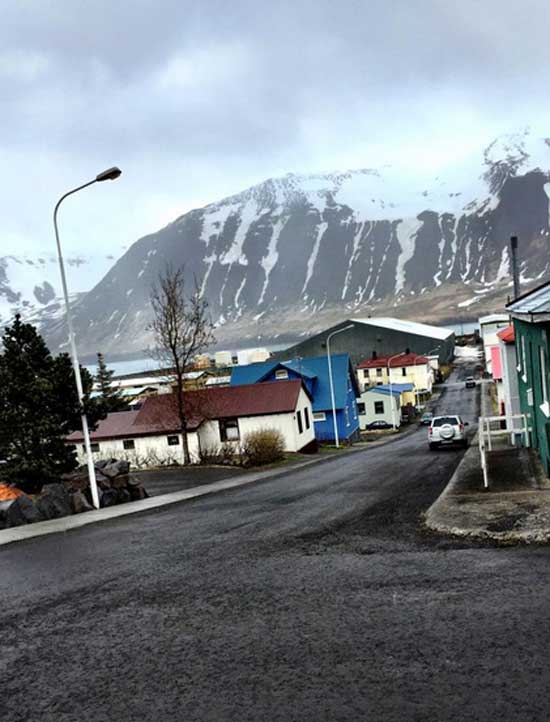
[(385, 390), (115, 425), (412, 327), (409, 359), (533, 302), (159, 414), (314, 369), (493, 318), (507, 334)]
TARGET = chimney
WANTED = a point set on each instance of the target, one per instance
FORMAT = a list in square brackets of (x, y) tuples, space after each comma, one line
[(374, 355), (514, 264)]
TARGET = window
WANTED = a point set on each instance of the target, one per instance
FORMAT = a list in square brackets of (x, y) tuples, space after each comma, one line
[(403, 371), (306, 417), (523, 359), (173, 440), (319, 416), (379, 372), (281, 374), (94, 447), (299, 420), (346, 414), (361, 408), (366, 373), (378, 407), (129, 444), (229, 430)]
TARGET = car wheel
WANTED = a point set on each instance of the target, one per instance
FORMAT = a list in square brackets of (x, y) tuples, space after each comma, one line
[(433, 447), (465, 444)]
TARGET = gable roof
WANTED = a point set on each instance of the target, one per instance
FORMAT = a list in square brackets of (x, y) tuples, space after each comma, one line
[(412, 327), (409, 359), (314, 368), (533, 302), (159, 414)]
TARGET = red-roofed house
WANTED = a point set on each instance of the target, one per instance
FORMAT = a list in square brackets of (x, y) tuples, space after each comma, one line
[(405, 368), (506, 369), (215, 416)]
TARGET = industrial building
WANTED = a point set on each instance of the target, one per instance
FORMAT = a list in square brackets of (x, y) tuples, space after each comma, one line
[(370, 337)]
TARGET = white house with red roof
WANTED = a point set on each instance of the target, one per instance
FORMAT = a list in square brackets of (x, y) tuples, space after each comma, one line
[(215, 416), (405, 368)]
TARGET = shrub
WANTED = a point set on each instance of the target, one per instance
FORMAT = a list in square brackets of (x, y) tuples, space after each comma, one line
[(262, 447)]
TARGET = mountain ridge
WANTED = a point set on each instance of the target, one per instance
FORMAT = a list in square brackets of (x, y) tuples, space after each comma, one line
[(290, 252)]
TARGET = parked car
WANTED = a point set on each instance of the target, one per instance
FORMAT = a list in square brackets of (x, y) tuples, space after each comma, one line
[(377, 425), (426, 418), (447, 430), (470, 382)]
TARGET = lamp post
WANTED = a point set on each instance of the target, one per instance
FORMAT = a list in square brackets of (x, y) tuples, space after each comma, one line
[(110, 174), (340, 330), (397, 355), (423, 356)]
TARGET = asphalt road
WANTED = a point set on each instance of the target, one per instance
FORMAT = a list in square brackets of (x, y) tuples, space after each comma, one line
[(314, 596)]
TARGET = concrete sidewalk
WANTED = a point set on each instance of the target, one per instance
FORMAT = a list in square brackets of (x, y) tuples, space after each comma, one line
[(515, 509)]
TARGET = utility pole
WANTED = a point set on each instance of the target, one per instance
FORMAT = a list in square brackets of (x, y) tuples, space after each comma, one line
[(514, 263)]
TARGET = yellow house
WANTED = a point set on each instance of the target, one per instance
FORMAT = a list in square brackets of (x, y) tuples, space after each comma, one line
[(406, 368)]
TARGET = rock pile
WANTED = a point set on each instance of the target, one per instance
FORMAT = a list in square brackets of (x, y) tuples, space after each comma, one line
[(72, 494)]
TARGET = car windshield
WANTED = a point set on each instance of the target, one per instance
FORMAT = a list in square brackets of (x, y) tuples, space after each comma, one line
[(442, 420)]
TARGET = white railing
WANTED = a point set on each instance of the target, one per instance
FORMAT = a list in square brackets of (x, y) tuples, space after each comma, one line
[(491, 428)]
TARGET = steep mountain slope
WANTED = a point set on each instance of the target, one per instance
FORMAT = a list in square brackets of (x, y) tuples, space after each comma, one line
[(291, 254), (31, 285)]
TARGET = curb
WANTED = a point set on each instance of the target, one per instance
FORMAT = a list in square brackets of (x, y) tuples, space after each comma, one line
[(505, 538), (76, 521)]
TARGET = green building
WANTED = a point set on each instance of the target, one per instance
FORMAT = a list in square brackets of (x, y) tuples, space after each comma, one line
[(531, 317)]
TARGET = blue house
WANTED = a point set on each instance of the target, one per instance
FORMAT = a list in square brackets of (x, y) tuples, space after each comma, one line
[(315, 377)]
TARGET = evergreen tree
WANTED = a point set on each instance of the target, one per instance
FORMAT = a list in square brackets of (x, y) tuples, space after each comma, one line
[(110, 397), (39, 407)]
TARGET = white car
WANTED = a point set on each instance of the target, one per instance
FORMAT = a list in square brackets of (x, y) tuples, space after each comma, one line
[(448, 429)]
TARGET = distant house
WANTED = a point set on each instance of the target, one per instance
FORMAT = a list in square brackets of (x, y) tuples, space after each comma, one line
[(315, 376), (531, 319), (409, 368), (380, 403), (215, 416)]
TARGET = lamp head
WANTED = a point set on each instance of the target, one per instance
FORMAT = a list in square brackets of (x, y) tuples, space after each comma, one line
[(109, 174)]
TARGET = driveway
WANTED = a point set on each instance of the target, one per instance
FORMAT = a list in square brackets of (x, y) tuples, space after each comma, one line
[(312, 596)]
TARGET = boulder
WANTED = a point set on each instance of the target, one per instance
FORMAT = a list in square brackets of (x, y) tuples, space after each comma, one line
[(54, 501), (137, 492), (79, 503), (22, 511), (123, 495), (120, 482), (116, 468), (109, 497)]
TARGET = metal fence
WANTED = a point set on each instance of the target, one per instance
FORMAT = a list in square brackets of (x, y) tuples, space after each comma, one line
[(498, 432)]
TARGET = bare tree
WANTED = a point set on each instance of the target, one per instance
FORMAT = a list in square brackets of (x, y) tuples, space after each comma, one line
[(182, 329)]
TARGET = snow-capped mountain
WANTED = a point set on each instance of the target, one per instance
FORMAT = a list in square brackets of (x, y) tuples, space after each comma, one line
[(294, 253), (31, 284)]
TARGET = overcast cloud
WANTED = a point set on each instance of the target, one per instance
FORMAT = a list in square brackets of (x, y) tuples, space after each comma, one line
[(197, 100)]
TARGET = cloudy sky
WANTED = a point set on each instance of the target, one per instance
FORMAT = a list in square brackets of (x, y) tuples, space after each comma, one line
[(197, 100)]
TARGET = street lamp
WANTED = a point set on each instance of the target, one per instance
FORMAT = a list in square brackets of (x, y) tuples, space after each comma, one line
[(397, 355), (340, 330), (424, 355), (109, 174)]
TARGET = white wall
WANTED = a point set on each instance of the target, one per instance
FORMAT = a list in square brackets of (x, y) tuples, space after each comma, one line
[(148, 451), (287, 424), (368, 398), (420, 375)]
